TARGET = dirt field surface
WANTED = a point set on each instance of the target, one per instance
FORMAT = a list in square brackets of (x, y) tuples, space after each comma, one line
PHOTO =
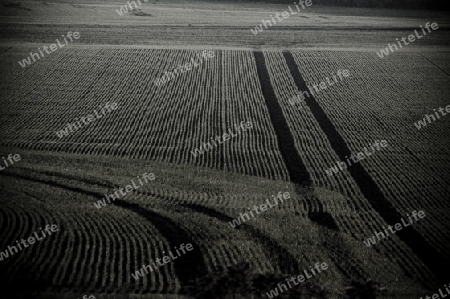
[(89, 117)]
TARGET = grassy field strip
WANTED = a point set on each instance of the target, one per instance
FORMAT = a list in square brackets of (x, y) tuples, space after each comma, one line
[(236, 36), (358, 223), (22, 49), (410, 193)]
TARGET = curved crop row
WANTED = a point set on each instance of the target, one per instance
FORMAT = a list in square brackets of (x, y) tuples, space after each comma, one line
[(96, 253)]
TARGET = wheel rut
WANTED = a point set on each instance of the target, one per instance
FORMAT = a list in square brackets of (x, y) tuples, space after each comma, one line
[(294, 164), (275, 251), (300, 176), (279, 255), (185, 268), (437, 263)]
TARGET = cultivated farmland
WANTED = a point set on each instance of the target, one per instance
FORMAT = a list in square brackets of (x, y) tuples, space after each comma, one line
[(73, 155)]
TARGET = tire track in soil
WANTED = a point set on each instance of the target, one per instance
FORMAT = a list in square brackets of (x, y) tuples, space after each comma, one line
[(275, 250), (194, 265), (300, 177), (9, 48), (281, 256), (297, 170), (294, 164), (424, 251)]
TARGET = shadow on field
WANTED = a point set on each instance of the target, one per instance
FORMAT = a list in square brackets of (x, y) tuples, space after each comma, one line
[(240, 281)]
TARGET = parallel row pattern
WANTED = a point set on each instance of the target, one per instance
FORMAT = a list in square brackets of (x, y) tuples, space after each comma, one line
[(390, 116), (160, 123), (350, 209)]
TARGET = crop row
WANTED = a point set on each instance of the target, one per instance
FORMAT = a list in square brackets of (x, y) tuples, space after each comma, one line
[(93, 250), (350, 209), (162, 124), (386, 110)]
